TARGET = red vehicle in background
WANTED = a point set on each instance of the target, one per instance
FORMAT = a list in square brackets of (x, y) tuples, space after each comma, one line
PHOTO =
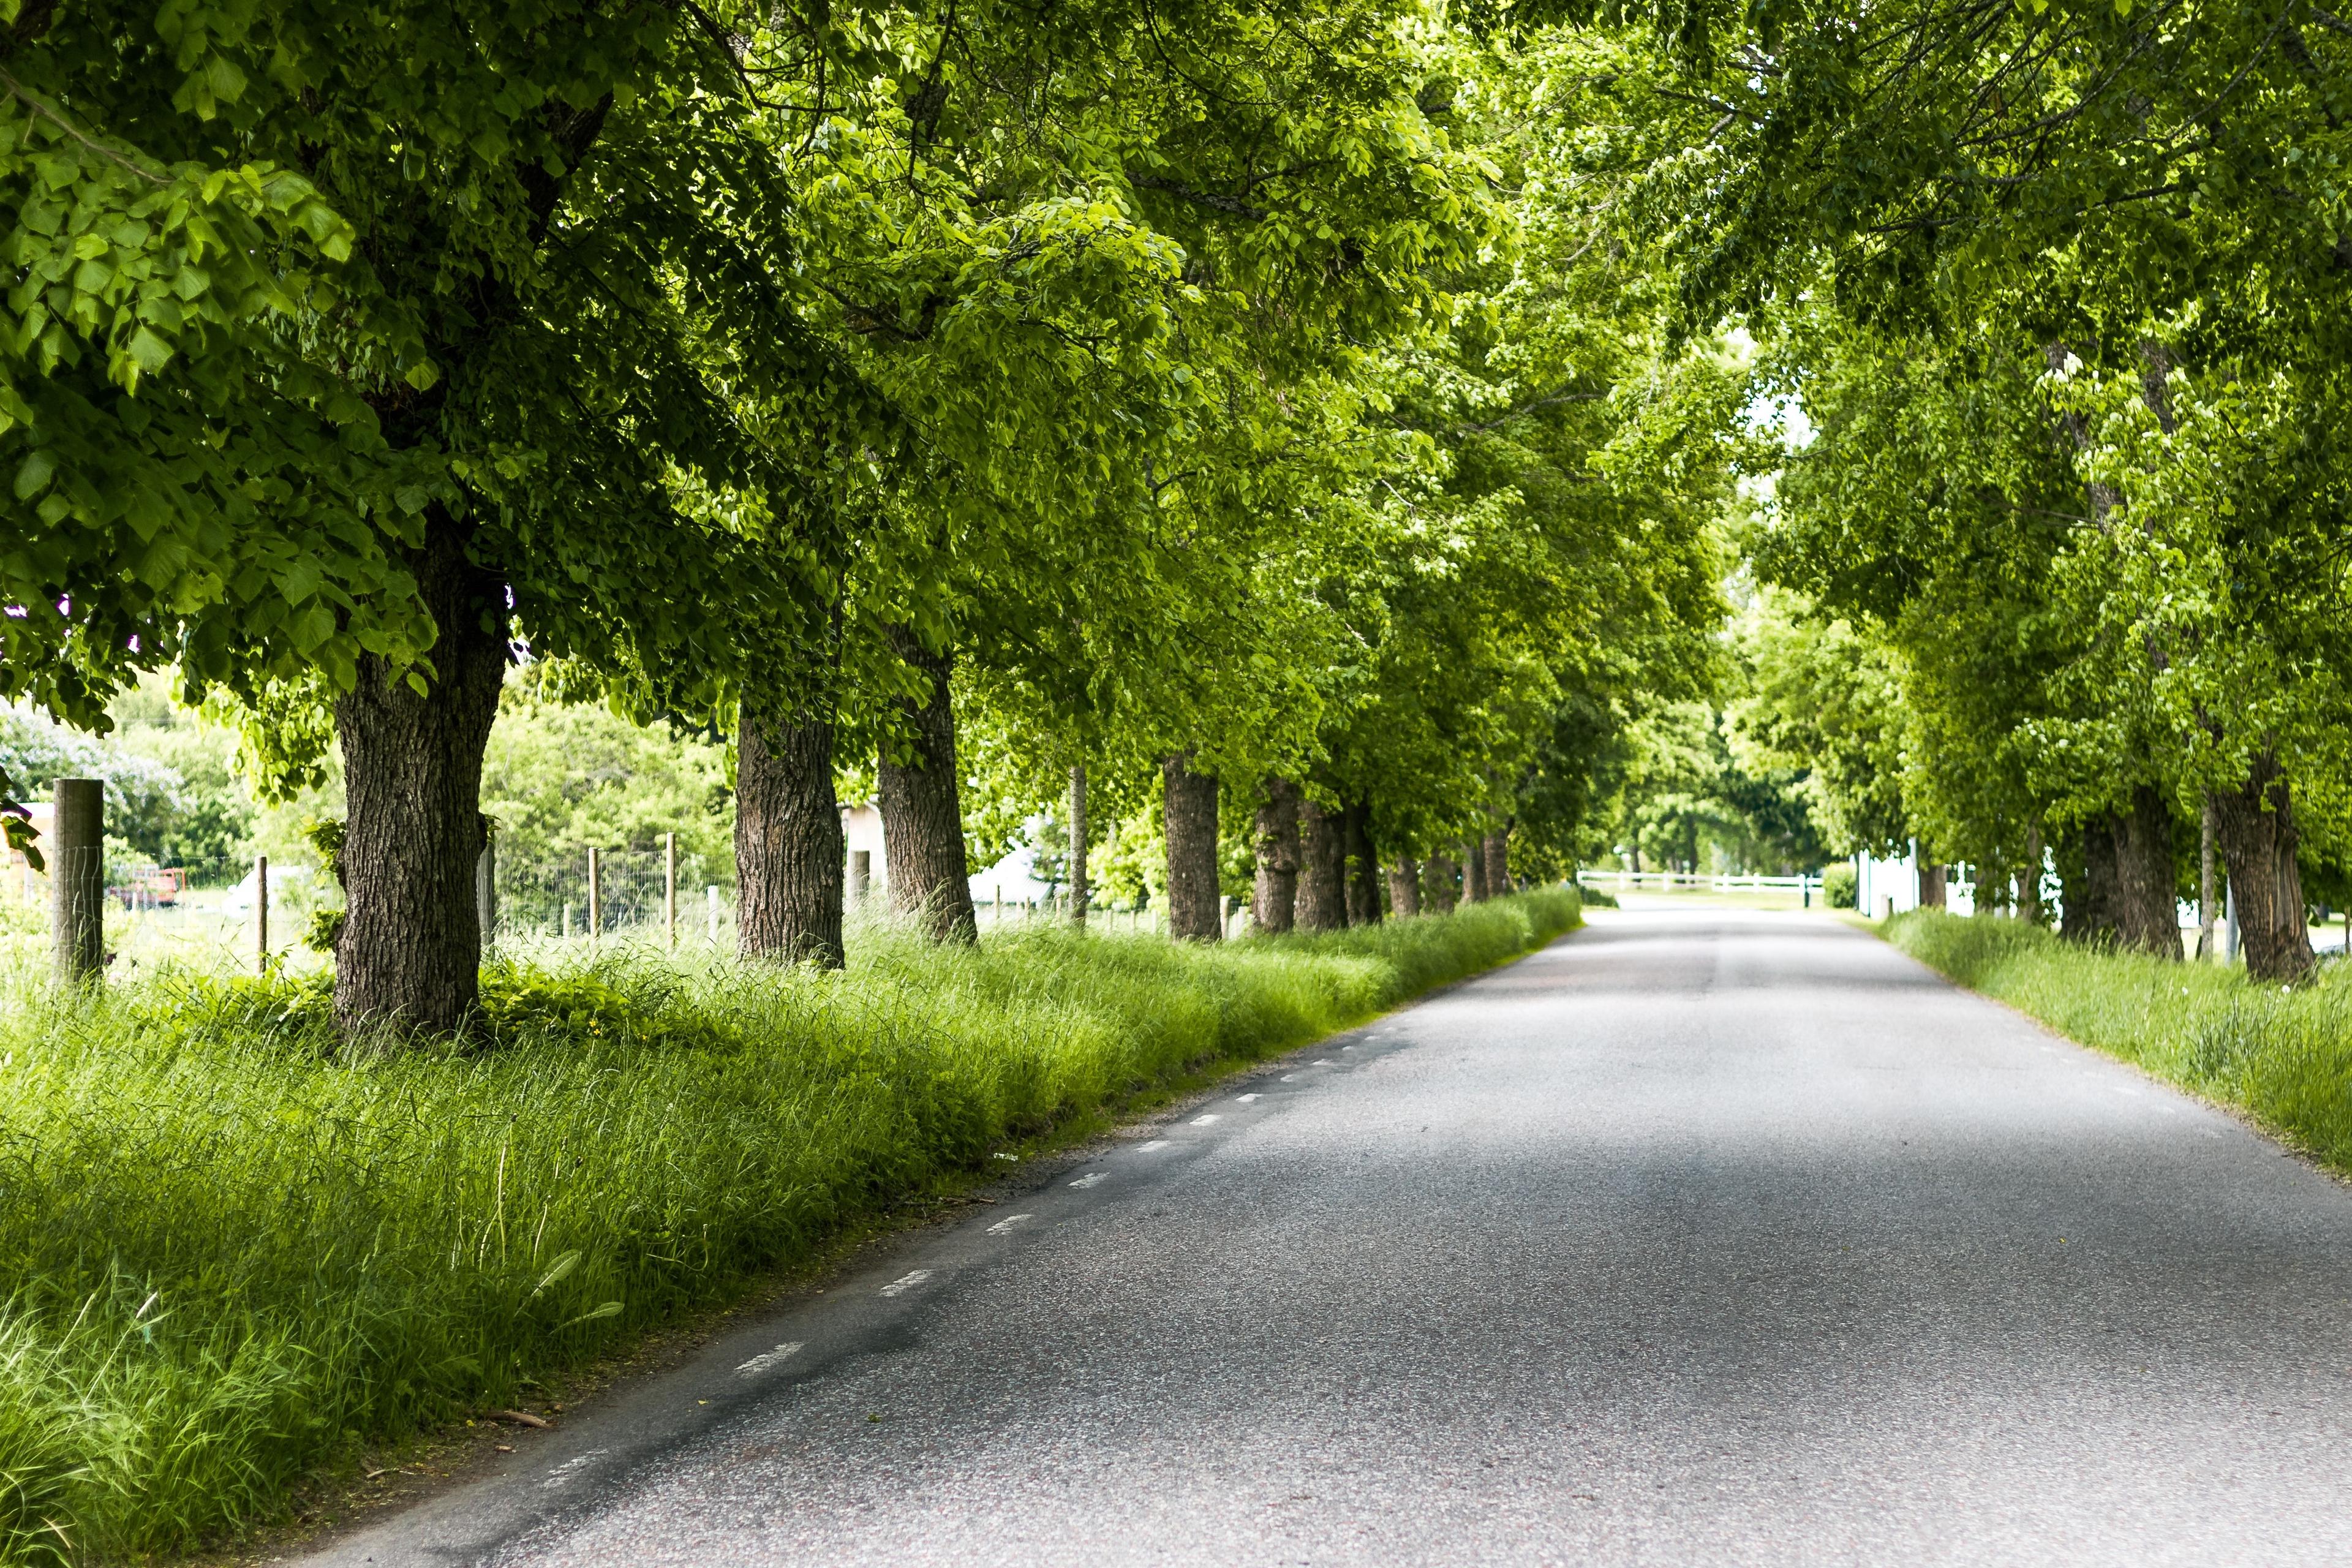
[(151, 887)]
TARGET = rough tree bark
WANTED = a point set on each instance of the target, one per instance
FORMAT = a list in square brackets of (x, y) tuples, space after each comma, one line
[(1275, 901), (1363, 868), (2089, 915), (1190, 810), (1404, 888), (1080, 890), (1322, 869), (1931, 886), (411, 950), (2146, 912), (2029, 882), (788, 843), (1443, 891), (1495, 854), (2254, 825), (922, 812), (1474, 870), (2205, 881)]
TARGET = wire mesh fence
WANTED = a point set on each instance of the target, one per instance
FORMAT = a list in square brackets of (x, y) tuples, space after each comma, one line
[(615, 893), (227, 914)]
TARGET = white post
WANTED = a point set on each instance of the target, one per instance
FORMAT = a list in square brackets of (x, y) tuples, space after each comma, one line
[(711, 899), (669, 886), (261, 911), (595, 902)]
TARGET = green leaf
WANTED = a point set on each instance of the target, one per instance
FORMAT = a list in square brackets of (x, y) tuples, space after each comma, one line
[(150, 352), (33, 475)]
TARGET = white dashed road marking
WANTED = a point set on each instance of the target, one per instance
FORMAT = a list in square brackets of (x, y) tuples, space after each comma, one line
[(1290, 1078), (1090, 1178), (1322, 1062), (766, 1359), (906, 1281), (1007, 1223), (1203, 1120), (566, 1470), (1155, 1143), (1247, 1097)]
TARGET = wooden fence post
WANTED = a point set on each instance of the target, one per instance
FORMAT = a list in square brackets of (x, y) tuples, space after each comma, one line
[(77, 856), (861, 875)]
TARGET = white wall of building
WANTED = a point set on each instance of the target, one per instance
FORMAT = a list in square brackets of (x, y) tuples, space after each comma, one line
[(1012, 879)]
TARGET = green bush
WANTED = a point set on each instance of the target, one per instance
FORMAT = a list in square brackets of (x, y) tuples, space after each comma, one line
[(240, 1246), (1841, 889), (2284, 1055)]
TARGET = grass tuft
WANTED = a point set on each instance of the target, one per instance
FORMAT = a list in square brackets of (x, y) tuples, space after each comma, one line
[(2284, 1055), (239, 1248)]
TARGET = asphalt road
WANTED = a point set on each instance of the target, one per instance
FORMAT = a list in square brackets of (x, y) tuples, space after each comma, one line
[(1698, 1237)]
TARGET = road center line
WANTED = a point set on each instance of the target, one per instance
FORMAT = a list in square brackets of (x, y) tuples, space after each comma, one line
[(1007, 1223), (1204, 1121), (1245, 1098), (1155, 1143), (1090, 1178), (906, 1281)]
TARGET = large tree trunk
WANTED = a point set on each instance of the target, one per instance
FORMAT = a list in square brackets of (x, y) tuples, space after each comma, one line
[(1322, 869), (2090, 913), (1190, 812), (1495, 857), (411, 949), (1444, 888), (1080, 890), (788, 844), (1404, 888), (2254, 825), (1931, 886), (2029, 885), (1363, 868), (2147, 914), (922, 813), (1274, 903), (1474, 870)]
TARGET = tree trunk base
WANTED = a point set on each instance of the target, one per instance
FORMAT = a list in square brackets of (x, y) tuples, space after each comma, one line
[(1274, 904), (922, 810), (788, 843), (1195, 910), (1322, 869), (2254, 828), (410, 952)]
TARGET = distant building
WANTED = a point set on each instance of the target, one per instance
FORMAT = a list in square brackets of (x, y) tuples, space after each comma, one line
[(1012, 879)]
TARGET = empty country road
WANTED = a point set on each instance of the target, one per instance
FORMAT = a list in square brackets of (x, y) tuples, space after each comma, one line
[(1699, 1236)]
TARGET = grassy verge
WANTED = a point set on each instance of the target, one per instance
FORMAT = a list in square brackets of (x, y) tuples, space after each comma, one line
[(2285, 1056), (236, 1251)]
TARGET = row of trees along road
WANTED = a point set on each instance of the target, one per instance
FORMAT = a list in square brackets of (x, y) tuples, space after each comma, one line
[(1272, 400), (2064, 291)]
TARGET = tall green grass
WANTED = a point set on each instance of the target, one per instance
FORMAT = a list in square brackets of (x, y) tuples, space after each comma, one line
[(234, 1249), (2285, 1056)]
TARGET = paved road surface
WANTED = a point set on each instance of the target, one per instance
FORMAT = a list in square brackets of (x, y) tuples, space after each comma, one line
[(1699, 1237)]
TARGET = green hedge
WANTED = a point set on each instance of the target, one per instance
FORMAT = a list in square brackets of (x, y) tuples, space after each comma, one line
[(237, 1249)]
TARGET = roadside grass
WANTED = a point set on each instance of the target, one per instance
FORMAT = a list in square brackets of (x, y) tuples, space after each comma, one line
[(235, 1250), (2285, 1056)]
